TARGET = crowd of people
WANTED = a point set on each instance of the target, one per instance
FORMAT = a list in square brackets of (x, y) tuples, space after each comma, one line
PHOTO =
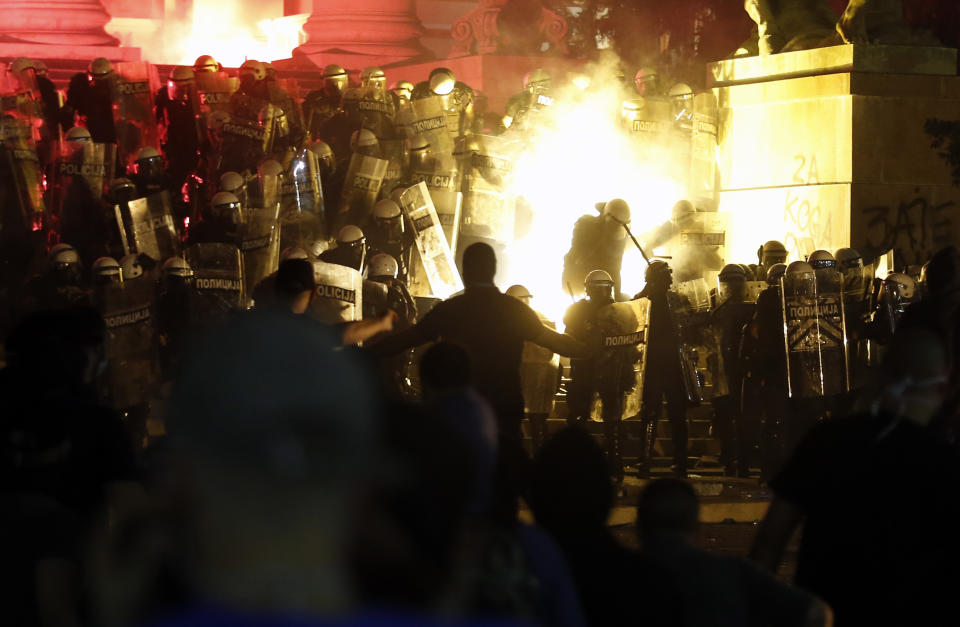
[(258, 371)]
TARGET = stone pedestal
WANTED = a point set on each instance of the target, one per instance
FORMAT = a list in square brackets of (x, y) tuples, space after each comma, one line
[(826, 148), (360, 33), (58, 29)]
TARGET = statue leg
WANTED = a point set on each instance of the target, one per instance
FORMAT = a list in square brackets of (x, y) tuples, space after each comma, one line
[(852, 26), (770, 38)]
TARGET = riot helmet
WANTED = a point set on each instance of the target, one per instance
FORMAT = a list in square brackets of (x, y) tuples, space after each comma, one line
[(537, 80), (773, 252), (149, 162), (65, 264), (231, 182), (683, 211), (522, 294), (403, 90), (78, 134), (21, 64), (251, 72), (599, 286), (100, 68), (732, 283), (294, 252), (130, 267), (373, 77), (902, 285), (681, 96), (388, 220), (354, 244), (616, 216), (382, 268), (225, 207), (800, 280), (775, 273), (122, 190), (825, 267), (442, 81), (269, 71), (418, 147), (269, 167), (206, 63), (324, 155), (180, 85), (364, 142), (106, 271), (647, 81), (176, 267), (658, 273), (318, 247), (335, 80)]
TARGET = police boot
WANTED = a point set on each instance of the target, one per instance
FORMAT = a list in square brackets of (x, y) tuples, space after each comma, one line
[(648, 438), (612, 439)]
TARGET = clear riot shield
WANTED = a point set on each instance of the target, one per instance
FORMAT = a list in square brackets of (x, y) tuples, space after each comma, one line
[(700, 356), (539, 377), (218, 281), (394, 151), (857, 310), (134, 117), (441, 173), (153, 228), (488, 211), (259, 247), (214, 90), (302, 212), (376, 112), (133, 371), (80, 175), (427, 117), (622, 356), (815, 339), (339, 293), (245, 142), (648, 120), (361, 187), (435, 255), (455, 106), (375, 299), (19, 154), (703, 153)]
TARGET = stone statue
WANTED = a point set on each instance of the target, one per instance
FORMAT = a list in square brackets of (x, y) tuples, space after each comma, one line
[(787, 25)]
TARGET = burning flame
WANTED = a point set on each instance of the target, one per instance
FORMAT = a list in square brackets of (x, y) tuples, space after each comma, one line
[(221, 32), (583, 155)]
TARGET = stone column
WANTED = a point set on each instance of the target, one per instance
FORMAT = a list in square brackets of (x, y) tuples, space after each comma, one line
[(356, 33), (55, 22)]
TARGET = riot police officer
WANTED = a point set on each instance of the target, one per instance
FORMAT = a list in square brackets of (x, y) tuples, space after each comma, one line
[(149, 174), (206, 63), (609, 379), (457, 98), (598, 244), (664, 376), (61, 286), (221, 222), (177, 113), (769, 255), (539, 375), (322, 104), (90, 95), (403, 90), (106, 271), (388, 234), (351, 249), (173, 313), (383, 268), (537, 85), (738, 432)]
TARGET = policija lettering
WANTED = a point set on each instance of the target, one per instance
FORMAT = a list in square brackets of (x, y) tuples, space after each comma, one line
[(913, 230)]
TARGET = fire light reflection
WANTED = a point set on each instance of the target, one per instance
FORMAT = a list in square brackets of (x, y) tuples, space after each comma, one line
[(580, 156)]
